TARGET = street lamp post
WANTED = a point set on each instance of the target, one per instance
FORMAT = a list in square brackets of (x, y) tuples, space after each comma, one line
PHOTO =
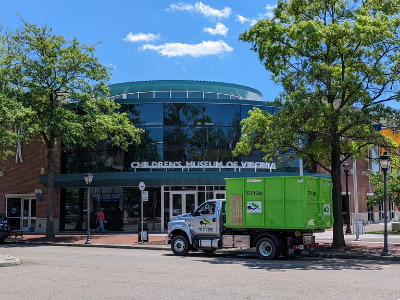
[(385, 165), (346, 173), (88, 179)]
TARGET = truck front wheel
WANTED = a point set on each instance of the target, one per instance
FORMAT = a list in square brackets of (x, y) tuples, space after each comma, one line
[(266, 249), (180, 245)]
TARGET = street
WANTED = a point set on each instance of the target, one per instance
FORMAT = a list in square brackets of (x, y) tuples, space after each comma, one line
[(61, 272)]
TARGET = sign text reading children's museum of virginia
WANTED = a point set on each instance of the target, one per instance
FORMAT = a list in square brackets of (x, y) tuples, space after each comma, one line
[(202, 165)]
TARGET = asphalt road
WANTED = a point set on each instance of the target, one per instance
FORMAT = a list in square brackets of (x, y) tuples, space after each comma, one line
[(61, 272)]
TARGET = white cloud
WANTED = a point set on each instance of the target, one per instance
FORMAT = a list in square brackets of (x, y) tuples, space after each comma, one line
[(269, 13), (181, 6), (196, 50), (199, 7), (220, 29), (243, 20), (141, 37)]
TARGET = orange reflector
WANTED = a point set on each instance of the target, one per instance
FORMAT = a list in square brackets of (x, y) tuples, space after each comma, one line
[(316, 244)]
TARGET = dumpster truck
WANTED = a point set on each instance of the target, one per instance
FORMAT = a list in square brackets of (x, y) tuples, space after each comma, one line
[(276, 215)]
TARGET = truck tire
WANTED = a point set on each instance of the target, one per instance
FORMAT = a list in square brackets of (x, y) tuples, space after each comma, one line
[(266, 249), (180, 245)]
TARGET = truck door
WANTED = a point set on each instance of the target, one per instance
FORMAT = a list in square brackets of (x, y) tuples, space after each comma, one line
[(206, 221)]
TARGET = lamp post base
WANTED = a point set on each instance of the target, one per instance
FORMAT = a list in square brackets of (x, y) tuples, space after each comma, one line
[(386, 253)]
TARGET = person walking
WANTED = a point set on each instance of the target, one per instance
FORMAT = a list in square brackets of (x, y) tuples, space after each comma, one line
[(100, 219)]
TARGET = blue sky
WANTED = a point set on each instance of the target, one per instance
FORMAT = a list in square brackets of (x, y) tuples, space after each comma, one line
[(158, 39), (155, 40)]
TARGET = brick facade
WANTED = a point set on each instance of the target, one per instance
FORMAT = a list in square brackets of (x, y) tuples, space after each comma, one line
[(22, 177)]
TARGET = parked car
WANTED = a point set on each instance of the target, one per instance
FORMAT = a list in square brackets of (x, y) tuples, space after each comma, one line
[(3, 228)]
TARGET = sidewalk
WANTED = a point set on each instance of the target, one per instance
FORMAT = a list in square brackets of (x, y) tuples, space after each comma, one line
[(369, 246)]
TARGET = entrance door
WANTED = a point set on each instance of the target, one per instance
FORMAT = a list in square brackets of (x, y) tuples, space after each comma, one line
[(181, 202), (28, 213)]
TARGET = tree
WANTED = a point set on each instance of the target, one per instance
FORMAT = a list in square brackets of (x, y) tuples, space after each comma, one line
[(338, 63), (64, 84), (13, 116), (392, 184)]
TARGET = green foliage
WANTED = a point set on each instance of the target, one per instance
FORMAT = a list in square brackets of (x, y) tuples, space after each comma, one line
[(392, 185), (12, 116), (54, 76), (63, 86), (338, 63)]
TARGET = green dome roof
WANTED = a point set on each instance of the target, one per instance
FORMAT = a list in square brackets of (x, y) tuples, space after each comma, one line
[(240, 91)]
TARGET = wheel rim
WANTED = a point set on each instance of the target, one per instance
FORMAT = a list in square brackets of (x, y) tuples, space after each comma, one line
[(265, 248), (179, 245)]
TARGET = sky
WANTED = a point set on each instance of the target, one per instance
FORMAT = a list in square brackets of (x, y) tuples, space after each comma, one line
[(159, 39)]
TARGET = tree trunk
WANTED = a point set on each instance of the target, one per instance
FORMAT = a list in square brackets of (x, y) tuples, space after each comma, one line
[(338, 236), (50, 189)]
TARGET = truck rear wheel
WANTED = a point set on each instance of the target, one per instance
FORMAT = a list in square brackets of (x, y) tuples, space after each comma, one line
[(180, 245), (266, 249)]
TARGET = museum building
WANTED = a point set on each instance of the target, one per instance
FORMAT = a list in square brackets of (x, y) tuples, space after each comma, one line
[(190, 130)]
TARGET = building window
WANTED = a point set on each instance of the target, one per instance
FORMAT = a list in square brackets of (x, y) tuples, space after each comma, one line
[(178, 95), (222, 96), (161, 95), (148, 95), (132, 96), (210, 96), (192, 95)]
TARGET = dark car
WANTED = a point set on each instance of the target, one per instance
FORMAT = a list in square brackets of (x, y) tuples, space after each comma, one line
[(3, 228)]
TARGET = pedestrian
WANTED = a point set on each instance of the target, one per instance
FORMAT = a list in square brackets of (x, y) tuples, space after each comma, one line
[(100, 219)]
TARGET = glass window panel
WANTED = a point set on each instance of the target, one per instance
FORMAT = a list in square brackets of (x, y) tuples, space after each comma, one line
[(189, 202), (13, 207), (195, 95), (132, 96), (148, 95), (178, 95), (26, 208), (210, 96), (179, 114), (161, 94), (225, 114), (150, 114), (201, 197), (176, 204), (222, 96), (234, 97), (155, 136), (245, 111)]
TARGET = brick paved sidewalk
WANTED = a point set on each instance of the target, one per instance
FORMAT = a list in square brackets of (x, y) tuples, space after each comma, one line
[(97, 238)]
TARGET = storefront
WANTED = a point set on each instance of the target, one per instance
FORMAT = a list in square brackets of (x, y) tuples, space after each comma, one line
[(190, 130)]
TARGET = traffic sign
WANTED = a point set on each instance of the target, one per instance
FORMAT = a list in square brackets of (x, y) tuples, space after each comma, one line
[(145, 195), (141, 186)]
